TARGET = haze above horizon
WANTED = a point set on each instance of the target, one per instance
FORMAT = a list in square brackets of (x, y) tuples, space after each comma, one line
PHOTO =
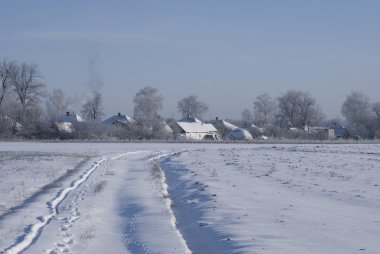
[(225, 52)]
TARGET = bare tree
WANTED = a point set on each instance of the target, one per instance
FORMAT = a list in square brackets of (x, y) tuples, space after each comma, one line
[(92, 109), (6, 71), (56, 105), (29, 90), (299, 109), (263, 109), (148, 102), (191, 106)]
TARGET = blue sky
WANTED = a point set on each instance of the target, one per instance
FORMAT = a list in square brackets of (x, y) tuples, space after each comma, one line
[(226, 52)]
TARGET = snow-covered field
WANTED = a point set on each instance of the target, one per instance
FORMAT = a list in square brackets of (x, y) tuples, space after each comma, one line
[(189, 198)]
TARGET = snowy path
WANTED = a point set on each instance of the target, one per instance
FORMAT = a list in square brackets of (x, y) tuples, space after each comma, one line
[(200, 198), (119, 202)]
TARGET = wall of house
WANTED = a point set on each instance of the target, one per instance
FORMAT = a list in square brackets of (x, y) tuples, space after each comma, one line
[(331, 133)]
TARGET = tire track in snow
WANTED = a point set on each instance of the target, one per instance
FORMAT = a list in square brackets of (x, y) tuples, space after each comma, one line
[(34, 230), (73, 213)]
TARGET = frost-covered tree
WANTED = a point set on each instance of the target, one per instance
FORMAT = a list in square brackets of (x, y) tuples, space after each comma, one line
[(376, 118), (6, 71), (92, 109), (148, 103), (246, 116), (56, 105), (191, 106), (263, 109), (356, 109)]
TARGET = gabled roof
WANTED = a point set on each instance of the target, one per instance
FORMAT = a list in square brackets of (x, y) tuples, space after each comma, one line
[(221, 124), (119, 118), (254, 127), (72, 118), (197, 127), (240, 134)]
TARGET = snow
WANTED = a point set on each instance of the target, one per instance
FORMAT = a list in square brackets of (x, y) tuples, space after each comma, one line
[(224, 125), (195, 127), (189, 198), (239, 134)]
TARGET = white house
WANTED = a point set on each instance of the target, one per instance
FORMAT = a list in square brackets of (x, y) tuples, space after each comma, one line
[(194, 129), (66, 125)]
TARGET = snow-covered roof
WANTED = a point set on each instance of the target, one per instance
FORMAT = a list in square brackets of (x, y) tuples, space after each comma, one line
[(72, 118), (197, 127), (221, 124), (254, 127), (119, 118), (239, 134)]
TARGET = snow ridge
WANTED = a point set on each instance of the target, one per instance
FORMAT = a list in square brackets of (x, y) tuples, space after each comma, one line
[(169, 203), (35, 229), (165, 194)]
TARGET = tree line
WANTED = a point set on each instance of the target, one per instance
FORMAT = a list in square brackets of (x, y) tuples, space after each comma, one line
[(28, 110)]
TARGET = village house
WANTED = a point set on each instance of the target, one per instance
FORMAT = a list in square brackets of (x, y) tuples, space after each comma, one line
[(193, 129), (71, 118), (119, 120), (65, 127)]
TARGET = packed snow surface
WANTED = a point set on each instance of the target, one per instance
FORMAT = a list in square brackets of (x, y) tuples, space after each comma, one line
[(189, 198)]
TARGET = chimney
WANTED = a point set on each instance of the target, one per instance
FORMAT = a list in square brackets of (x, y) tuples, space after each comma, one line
[(216, 118), (118, 114), (188, 116), (67, 113)]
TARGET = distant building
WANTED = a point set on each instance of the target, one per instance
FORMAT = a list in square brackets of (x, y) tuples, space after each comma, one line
[(338, 133), (65, 127), (71, 118), (193, 129), (118, 120)]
